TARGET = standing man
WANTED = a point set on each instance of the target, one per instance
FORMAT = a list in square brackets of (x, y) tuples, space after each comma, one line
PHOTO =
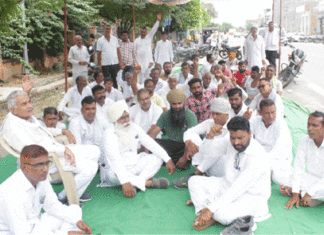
[(271, 38), (163, 50), (109, 56), (143, 47), (79, 57), (254, 49)]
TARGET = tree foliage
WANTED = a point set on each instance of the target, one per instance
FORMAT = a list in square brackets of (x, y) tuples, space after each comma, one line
[(9, 10), (210, 10)]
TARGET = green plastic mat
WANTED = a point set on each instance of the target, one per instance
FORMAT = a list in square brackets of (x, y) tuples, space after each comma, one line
[(164, 211)]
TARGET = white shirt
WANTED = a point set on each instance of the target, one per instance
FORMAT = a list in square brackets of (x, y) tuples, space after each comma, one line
[(21, 204), (183, 80), (276, 139), (309, 157), (160, 85), (206, 68), (275, 83), (127, 89), (108, 50), (185, 88), (240, 113), (119, 157), (76, 98), (271, 39), (114, 94), (76, 55), (251, 91), (145, 119), (255, 104), (211, 85), (59, 125), (143, 48), (163, 93), (252, 178), (94, 83), (254, 51), (163, 52), (102, 110)]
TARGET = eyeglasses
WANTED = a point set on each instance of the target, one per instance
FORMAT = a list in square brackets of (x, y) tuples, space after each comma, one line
[(124, 117), (237, 162), (141, 100), (41, 164), (262, 86)]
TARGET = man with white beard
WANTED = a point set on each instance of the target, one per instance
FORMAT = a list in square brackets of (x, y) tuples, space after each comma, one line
[(123, 166)]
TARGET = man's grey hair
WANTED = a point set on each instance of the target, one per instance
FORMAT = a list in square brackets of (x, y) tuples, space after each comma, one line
[(78, 36), (207, 73), (127, 74), (11, 98), (217, 66)]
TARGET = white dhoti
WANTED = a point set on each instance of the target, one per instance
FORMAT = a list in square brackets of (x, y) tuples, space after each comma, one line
[(86, 158), (205, 190), (281, 172), (210, 166), (147, 166)]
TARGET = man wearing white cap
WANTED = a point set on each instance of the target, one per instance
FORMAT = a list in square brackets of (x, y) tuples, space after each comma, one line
[(123, 166), (214, 128)]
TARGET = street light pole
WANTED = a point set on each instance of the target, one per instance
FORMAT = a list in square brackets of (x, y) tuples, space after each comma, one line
[(22, 5)]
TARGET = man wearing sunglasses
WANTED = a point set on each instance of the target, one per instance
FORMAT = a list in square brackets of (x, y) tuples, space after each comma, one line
[(245, 188), (27, 192)]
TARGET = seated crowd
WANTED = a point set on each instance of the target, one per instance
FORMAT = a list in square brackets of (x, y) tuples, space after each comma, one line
[(229, 127)]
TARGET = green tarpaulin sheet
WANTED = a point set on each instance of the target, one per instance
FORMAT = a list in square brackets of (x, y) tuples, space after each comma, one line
[(164, 211)]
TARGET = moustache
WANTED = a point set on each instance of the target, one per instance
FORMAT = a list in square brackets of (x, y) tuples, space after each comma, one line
[(102, 97), (30, 109)]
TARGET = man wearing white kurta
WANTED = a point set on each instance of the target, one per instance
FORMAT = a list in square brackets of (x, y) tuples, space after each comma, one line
[(143, 47), (235, 97), (163, 50), (172, 84), (245, 188), (75, 95), (274, 135), (308, 187), (123, 165), (254, 50), (79, 57), (102, 102), (111, 92), (21, 128), (28, 191)]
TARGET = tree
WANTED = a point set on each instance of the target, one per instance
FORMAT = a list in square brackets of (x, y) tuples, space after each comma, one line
[(9, 10), (210, 10), (226, 26)]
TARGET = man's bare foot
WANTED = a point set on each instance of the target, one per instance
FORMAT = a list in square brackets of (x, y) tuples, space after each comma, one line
[(202, 227), (286, 191), (76, 233), (189, 203), (204, 220)]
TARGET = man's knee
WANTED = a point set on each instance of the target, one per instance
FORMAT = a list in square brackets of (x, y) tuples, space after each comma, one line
[(193, 181)]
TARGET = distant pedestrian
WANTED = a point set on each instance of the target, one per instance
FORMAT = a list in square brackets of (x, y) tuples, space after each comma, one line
[(163, 50)]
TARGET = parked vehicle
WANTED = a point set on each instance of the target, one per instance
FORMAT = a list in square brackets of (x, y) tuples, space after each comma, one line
[(297, 37), (296, 61), (224, 53), (202, 50), (181, 54)]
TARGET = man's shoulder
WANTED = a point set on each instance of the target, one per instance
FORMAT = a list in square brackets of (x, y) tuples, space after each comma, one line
[(189, 113)]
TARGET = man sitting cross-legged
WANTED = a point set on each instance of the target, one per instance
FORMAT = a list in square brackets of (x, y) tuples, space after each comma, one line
[(213, 128), (21, 128), (102, 102), (123, 166), (51, 119), (174, 123), (245, 188), (272, 132), (307, 188), (111, 92), (28, 191)]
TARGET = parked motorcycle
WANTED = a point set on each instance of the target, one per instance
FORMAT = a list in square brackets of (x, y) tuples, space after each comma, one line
[(224, 53), (181, 54), (296, 61)]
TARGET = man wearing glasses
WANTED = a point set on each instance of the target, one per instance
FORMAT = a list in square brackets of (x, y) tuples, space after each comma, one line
[(25, 193), (243, 192)]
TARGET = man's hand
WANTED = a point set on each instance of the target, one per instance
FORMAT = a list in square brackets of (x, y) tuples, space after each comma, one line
[(159, 17), (215, 130), (117, 22), (69, 135), (263, 62), (128, 190), (84, 227), (221, 89), (137, 69), (305, 200), (292, 201), (83, 62), (122, 66), (69, 156), (182, 161), (170, 167), (27, 83), (192, 148), (246, 62), (204, 217), (60, 114), (151, 64), (248, 113)]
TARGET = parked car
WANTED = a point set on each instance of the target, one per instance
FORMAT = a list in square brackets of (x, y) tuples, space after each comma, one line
[(237, 35), (298, 37)]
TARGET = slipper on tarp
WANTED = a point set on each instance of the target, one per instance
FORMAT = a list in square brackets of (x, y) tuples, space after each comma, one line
[(161, 183), (210, 223)]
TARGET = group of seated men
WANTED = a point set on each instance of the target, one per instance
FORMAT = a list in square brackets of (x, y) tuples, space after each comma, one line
[(235, 148)]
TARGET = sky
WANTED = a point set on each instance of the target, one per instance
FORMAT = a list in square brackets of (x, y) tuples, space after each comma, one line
[(237, 12)]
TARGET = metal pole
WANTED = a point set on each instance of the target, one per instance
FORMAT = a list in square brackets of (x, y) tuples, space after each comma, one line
[(273, 3), (134, 22), (22, 5), (65, 47), (280, 36)]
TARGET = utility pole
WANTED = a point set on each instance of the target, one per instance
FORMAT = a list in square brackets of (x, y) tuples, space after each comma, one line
[(22, 5)]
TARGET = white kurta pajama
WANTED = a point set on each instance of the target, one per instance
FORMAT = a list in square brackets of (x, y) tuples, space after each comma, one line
[(277, 142), (243, 191), (254, 51), (21, 204), (76, 55), (18, 133), (123, 164), (114, 94), (144, 51), (210, 166), (73, 95), (163, 52)]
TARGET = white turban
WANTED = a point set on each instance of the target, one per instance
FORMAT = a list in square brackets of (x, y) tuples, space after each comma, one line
[(116, 110), (220, 105)]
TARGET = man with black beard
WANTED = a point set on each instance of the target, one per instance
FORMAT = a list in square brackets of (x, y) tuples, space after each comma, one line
[(174, 123), (102, 103), (167, 67), (235, 97), (242, 74)]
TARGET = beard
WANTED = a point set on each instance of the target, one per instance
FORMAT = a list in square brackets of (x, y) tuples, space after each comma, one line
[(237, 107), (241, 148), (178, 117), (242, 71), (167, 72), (125, 133), (197, 94)]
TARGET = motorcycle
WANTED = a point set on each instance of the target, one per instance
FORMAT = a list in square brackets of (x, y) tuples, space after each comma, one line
[(202, 50), (181, 54), (296, 61), (224, 53)]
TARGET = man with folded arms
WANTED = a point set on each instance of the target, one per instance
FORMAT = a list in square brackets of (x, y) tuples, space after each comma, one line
[(123, 166), (28, 191), (245, 188)]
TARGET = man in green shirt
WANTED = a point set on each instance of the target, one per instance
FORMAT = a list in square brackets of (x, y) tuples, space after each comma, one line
[(173, 123)]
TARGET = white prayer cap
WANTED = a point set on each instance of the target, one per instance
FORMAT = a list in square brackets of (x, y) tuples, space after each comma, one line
[(116, 110), (220, 105)]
